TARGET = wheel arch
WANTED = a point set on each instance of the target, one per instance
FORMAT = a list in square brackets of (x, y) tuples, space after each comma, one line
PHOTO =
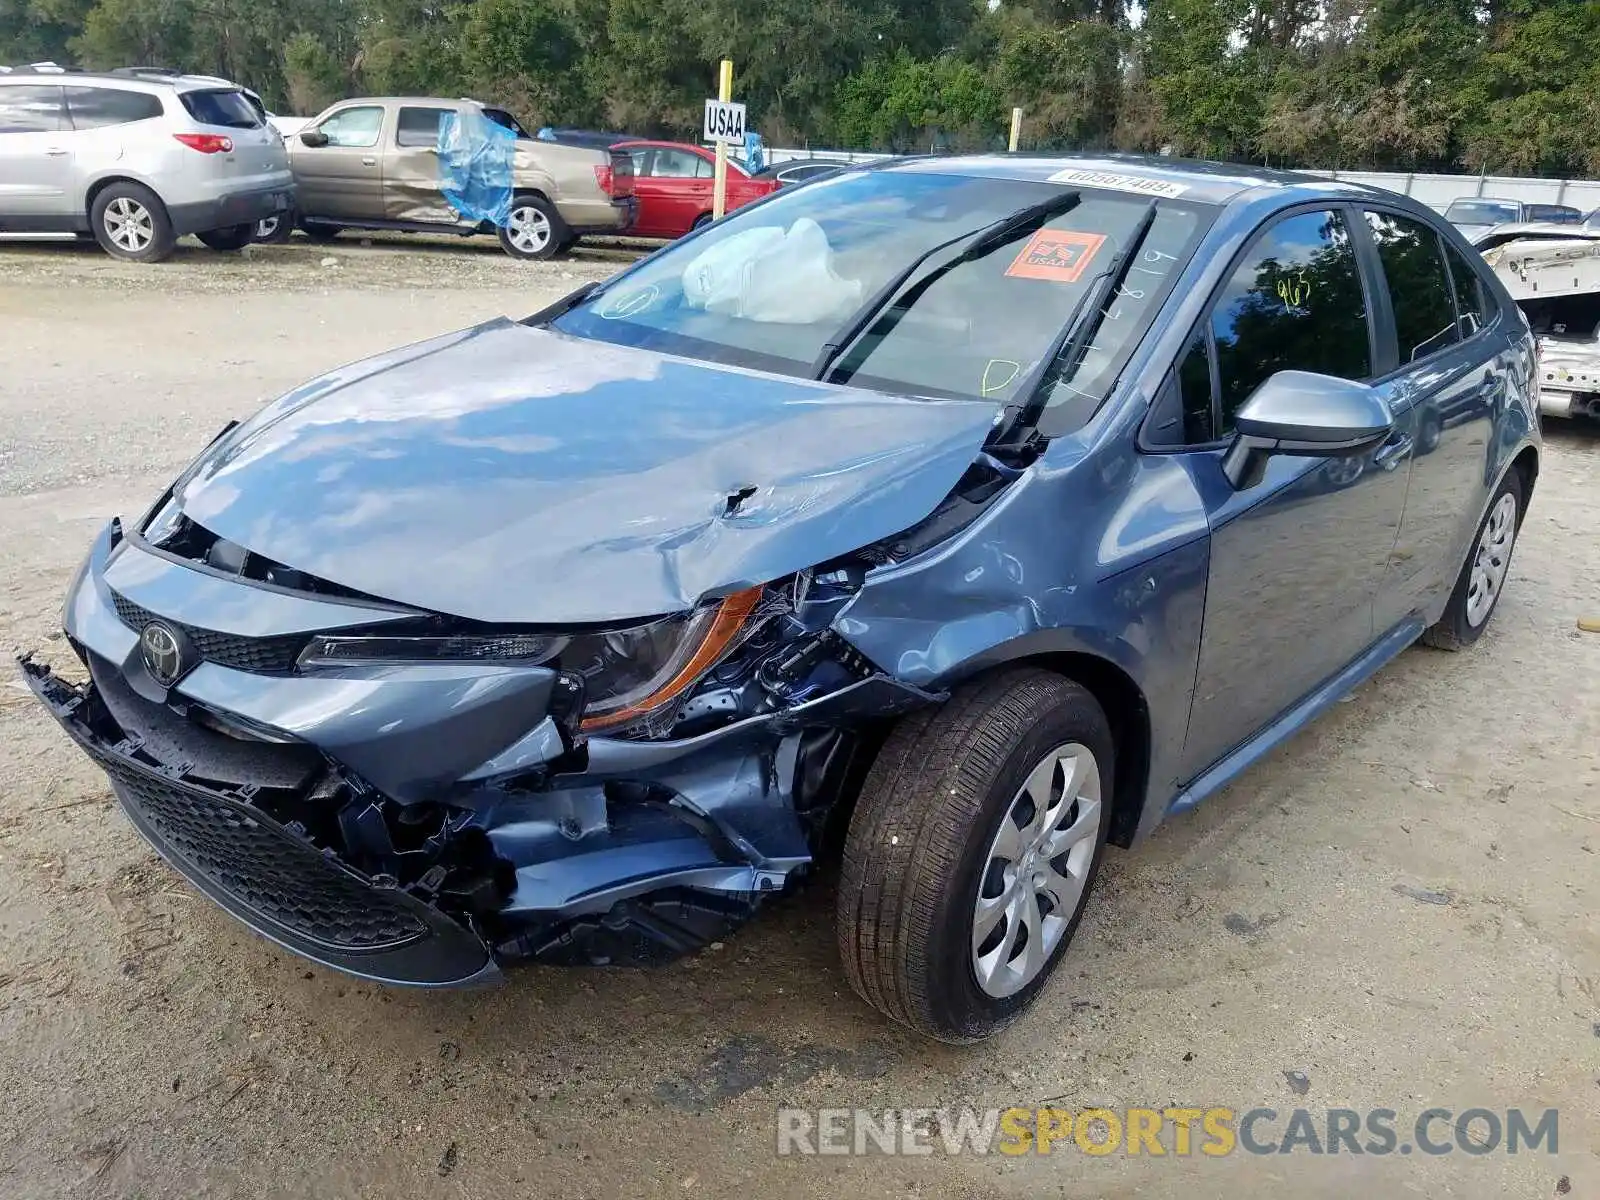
[(103, 182), (1122, 700), (1526, 465)]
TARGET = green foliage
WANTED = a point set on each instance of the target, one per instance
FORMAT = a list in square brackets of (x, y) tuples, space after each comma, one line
[(1496, 85)]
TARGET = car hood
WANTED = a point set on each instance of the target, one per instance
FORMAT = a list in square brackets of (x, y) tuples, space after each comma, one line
[(512, 474)]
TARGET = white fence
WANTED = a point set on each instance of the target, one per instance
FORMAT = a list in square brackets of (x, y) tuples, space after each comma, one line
[(1436, 191)]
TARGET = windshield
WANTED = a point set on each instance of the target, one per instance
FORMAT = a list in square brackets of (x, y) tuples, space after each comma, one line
[(769, 287), (1481, 212)]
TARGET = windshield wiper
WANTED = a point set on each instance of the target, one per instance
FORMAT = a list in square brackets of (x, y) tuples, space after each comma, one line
[(978, 242), (1069, 347)]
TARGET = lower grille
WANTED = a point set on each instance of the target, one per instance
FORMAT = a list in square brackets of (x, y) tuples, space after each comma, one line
[(273, 655), (263, 868)]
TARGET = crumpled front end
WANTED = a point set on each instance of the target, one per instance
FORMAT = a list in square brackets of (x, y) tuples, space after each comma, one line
[(427, 822)]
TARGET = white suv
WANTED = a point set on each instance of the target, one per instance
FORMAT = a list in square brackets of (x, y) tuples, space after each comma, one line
[(137, 160)]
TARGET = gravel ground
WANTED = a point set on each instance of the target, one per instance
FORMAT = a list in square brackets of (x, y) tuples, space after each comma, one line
[(1397, 910)]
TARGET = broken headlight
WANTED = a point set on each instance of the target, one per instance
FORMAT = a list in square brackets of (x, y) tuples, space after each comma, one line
[(630, 674)]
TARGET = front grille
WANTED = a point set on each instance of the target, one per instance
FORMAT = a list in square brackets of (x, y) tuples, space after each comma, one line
[(273, 655), (261, 867)]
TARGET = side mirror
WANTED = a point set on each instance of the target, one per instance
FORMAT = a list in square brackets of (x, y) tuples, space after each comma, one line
[(314, 137), (1301, 413)]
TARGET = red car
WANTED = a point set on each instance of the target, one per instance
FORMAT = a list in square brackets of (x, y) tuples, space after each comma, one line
[(672, 181)]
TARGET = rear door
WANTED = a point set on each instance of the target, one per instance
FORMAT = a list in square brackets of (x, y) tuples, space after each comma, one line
[(35, 158), (342, 180), (1296, 561), (411, 189), (1447, 383), (673, 186)]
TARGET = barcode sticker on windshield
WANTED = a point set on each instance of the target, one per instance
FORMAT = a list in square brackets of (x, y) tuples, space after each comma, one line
[(1117, 182), (1059, 255)]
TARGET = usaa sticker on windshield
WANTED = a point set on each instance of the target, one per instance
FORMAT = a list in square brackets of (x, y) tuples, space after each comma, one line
[(1059, 255), (1121, 183)]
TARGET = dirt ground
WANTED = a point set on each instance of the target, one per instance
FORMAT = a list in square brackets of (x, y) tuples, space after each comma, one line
[(1398, 910)]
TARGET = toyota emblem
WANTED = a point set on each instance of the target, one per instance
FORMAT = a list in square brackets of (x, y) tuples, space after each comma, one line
[(162, 647)]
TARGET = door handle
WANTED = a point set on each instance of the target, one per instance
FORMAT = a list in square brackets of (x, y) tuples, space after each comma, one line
[(55, 152), (369, 162), (1391, 454)]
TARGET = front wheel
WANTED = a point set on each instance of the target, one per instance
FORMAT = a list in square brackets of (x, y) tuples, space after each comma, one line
[(1483, 575), (971, 853), (276, 229), (534, 230), (233, 237)]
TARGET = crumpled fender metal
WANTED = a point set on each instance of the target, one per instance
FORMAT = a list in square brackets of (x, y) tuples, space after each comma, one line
[(1122, 556)]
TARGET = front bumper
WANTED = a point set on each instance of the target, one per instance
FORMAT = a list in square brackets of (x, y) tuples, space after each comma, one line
[(268, 876), (230, 209), (423, 824)]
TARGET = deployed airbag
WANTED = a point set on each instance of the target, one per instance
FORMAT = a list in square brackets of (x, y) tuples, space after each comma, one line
[(780, 276)]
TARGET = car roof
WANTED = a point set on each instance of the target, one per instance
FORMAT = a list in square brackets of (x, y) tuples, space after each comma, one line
[(349, 100), (131, 82), (1194, 179)]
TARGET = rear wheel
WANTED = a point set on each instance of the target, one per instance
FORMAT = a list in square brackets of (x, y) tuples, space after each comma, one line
[(700, 222), (129, 221), (233, 237), (535, 230), (971, 853), (1483, 575), (318, 232)]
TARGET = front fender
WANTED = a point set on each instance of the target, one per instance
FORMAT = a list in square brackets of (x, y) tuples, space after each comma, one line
[(1025, 584)]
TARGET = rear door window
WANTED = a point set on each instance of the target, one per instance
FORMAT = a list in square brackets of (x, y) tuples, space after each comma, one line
[(1419, 285), (678, 164), (1295, 303), (419, 126), (97, 107), (354, 127), (226, 107), (31, 108)]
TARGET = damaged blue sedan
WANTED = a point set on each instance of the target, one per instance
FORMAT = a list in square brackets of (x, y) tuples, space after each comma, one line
[(956, 517)]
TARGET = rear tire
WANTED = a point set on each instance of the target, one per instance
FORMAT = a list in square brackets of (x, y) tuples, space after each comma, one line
[(700, 222), (1483, 575), (229, 238), (130, 222), (946, 852), (318, 232), (536, 231)]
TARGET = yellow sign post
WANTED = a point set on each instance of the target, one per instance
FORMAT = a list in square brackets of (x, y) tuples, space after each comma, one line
[(719, 195)]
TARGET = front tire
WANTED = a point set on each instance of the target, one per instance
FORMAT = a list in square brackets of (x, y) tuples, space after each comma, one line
[(536, 231), (1483, 575), (228, 239), (130, 222), (318, 232), (972, 851)]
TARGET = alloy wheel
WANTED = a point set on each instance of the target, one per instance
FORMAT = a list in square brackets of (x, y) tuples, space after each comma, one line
[(1036, 869), (129, 224), (529, 230)]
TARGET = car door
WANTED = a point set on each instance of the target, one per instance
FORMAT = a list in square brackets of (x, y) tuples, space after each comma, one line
[(343, 179), (674, 190), (1296, 560), (1447, 385), (411, 167), (35, 158)]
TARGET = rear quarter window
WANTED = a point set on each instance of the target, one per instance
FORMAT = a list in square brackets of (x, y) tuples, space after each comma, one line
[(228, 108)]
